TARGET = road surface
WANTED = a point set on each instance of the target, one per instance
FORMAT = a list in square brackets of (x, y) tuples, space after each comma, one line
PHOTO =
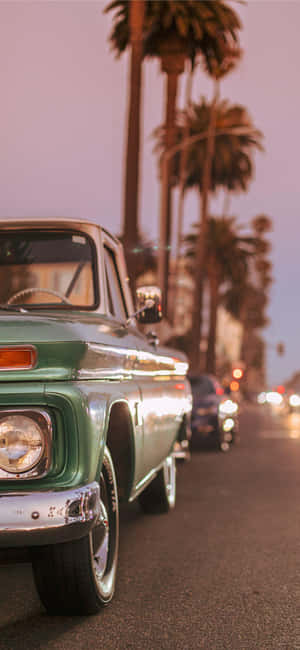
[(221, 571)]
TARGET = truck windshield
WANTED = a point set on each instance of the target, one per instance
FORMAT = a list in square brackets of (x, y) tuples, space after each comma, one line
[(47, 269)]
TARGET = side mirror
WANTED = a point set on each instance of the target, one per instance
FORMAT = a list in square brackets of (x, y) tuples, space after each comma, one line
[(148, 305)]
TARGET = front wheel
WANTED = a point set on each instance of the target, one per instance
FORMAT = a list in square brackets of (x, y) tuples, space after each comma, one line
[(160, 495), (78, 577)]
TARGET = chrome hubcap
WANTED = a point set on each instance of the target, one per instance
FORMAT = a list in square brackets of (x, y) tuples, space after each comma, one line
[(170, 482), (100, 542)]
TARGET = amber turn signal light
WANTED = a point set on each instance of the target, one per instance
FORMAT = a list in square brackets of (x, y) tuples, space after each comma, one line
[(18, 358)]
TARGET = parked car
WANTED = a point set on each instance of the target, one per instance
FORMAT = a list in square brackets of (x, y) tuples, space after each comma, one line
[(90, 408), (214, 413)]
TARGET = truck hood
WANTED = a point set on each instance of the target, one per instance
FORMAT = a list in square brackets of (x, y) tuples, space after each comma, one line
[(65, 343)]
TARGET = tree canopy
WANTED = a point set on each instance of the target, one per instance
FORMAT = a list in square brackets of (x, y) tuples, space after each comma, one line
[(232, 162), (209, 28)]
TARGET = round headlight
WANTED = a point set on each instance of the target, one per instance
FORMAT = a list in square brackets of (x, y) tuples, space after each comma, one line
[(228, 407), (294, 400), (228, 424), (21, 443)]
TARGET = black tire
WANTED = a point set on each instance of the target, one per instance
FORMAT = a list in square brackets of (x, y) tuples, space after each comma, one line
[(71, 578), (181, 447), (160, 495)]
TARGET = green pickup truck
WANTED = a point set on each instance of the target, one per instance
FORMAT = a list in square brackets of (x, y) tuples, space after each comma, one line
[(91, 408)]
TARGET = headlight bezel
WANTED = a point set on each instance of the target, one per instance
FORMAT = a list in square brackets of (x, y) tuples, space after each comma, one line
[(42, 418)]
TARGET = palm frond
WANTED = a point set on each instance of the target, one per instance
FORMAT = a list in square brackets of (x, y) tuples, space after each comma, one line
[(202, 28)]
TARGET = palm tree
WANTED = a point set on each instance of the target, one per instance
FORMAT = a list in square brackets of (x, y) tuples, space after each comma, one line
[(227, 263), (174, 31), (217, 71), (134, 13), (181, 183), (231, 167), (215, 33), (145, 256), (262, 224), (248, 300)]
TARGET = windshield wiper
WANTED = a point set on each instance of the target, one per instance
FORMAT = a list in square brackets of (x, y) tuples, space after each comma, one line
[(13, 308)]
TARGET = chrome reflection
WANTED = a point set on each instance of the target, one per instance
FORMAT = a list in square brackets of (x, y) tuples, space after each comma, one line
[(100, 540), (149, 305), (116, 362), (44, 517)]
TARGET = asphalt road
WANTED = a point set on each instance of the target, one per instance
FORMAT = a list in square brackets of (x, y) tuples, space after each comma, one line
[(221, 571)]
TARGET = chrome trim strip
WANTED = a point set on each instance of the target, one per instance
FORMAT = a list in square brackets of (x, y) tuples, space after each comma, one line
[(143, 483), (116, 362), (35, 518)]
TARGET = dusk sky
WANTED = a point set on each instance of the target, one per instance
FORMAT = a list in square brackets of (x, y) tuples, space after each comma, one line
[(63, 119)]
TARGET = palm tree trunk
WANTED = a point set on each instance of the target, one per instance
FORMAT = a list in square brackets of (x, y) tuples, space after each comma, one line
[(130, 234), (165, 243), (172, 63), (182, 179), (247, 330), (202, 236), (212, 334)]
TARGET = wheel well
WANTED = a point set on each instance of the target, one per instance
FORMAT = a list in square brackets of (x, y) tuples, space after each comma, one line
[(121, 446)]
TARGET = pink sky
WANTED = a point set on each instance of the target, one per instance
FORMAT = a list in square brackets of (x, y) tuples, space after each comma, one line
[(63, 115)]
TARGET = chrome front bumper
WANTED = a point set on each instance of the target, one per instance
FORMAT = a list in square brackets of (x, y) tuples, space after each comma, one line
[(36, 518)]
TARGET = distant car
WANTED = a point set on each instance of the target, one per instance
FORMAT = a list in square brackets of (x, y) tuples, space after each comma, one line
[(293, 402), (214, 414)]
